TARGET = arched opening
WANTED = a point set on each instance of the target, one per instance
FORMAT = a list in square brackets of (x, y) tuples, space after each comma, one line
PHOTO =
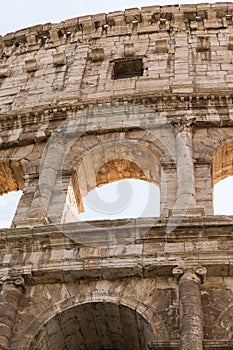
[(223, 180), (8, 206), (120, 188), (122, 199), (223, 192), (95, 326), (11, 186)]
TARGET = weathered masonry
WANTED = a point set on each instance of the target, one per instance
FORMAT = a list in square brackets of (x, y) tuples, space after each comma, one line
[(143, 94)]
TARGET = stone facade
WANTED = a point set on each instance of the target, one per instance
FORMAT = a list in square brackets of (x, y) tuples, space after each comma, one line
[(143, 94)]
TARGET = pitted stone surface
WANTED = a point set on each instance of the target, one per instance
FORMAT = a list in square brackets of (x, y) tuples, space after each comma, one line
[(141, 93)]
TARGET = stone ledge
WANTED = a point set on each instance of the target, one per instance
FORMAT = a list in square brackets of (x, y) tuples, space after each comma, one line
[(208, 345), (171, 102), (50, 256), (155, 18), (200, 228)]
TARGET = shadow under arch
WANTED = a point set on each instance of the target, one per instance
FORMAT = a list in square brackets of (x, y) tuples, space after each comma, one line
[(100, 322), (11, 175), (222, 162)]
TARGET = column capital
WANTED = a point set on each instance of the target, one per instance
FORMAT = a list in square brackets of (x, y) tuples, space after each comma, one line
[(183, 124), (196, 271), (14, 280)]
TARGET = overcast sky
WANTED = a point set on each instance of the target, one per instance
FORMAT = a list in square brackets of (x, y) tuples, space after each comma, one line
[(18, 14)]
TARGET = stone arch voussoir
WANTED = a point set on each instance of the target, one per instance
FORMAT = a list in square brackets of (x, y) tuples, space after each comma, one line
[(144, 310)]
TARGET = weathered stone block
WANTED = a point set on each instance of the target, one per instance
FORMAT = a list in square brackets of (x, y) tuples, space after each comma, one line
[(32, 39), (129, 50), (161, 46), (54, 36), (230, 43), (203, 43), (4, 70), (59, 59), (97, 54), (31, 65), (157, 107)]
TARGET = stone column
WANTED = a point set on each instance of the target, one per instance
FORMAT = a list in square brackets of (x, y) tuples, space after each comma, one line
[(185, 168), (191, 315), (50, 173), (11, 292)]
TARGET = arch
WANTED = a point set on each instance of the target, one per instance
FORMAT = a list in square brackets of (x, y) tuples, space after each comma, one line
[(119, 169), (95, 326), (207, 141), (109, 163), (154, 140), (222, 162), (123, 131), (139, 311)]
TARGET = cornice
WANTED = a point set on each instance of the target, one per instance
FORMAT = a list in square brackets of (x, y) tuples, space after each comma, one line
[(176, 105), (199, 228), (42, 254), (145, 20), (154, 255)]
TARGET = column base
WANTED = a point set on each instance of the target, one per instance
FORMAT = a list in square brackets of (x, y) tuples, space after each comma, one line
[(180, 212), (30, 222)]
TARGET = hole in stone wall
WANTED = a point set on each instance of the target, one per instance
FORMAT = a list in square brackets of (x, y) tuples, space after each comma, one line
[(8, 206), (128, 68)]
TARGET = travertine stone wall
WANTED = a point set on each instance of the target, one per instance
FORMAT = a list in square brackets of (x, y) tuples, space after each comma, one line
[(49, 72), (143, 94), (186, 49), (123, 285)]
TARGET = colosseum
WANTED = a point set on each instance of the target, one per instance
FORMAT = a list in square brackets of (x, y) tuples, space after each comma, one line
[(142, 94)]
